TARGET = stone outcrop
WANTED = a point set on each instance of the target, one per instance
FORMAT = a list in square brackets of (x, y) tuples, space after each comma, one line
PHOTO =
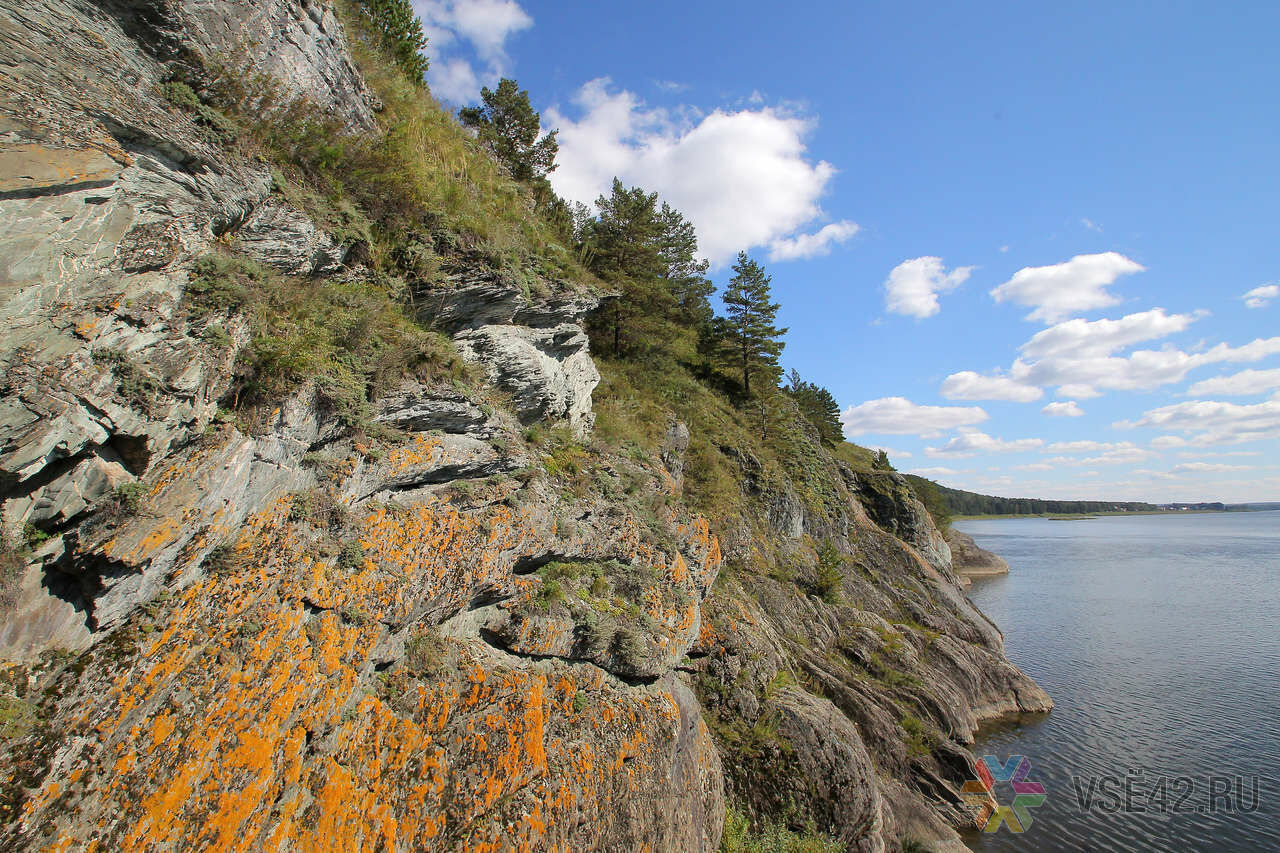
[(972, 561)]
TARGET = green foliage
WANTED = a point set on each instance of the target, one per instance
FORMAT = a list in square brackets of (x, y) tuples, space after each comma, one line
[(882, 462), (921, 739), (352, 337), (927, 492), (13, 559), (818, 406), (128, 499), (509, 126), (401, 35), (133, 383), (351, 558), (769, 837), (217, 126), (17, 717), (751, 340), (424, 652), (830, 576), (960, 502)]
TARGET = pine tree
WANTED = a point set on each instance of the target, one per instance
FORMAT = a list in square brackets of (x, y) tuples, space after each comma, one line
[(686, 274), (751, 334), (818, 406), (625, 248), (508, 124), (401, 33)]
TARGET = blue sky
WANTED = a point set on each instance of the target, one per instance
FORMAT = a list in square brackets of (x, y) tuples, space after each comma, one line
[(1015, 240)]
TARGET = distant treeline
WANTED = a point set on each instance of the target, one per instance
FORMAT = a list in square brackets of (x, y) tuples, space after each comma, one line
[(959, 502)]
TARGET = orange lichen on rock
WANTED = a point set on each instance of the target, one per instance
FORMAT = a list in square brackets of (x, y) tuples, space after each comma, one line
[(253, 718)]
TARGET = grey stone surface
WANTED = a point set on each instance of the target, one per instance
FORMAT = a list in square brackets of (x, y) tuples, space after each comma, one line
[(548, 372)]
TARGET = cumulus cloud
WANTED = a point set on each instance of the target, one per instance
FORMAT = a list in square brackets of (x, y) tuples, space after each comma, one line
[(1118, 456), (812, 245), (1087, 446), (467, 43), (1260, 297), (900, 416), (1206, 467), (742, 177), (1081, 357), (967, 385), (1244, 383), (1092, 338), (935, 472), (1065, 409), (1058, 291), (973, 443), (913, 286), (1213, 422)]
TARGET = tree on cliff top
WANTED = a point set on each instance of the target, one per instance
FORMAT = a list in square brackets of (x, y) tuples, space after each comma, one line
[(508, 124), (818, 406), (401, 33), (751, 336)]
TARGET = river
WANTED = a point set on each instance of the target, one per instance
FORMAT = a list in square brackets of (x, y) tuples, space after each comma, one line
[(1158, 638)]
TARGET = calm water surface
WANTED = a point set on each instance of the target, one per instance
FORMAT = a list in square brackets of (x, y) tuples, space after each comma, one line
[(1158, 638)]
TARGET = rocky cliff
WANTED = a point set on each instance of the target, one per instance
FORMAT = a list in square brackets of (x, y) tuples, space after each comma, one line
[(462, 620)]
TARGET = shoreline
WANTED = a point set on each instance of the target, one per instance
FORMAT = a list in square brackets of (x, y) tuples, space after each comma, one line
[(1077, 516)]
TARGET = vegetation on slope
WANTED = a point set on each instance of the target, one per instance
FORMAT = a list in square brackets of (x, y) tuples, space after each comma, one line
[(420, 197), (960, 502)]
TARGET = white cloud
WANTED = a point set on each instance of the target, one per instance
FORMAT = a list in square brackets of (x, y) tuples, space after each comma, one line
[(913, 286), (973, 443), (1200, 454), (900, 416), (1058, 291), (892, 454), (1206, 467), (1118, 456), (935, 472), (1091, 338), (1079, 357), (741, 177), (1035, 466), (479, 27), (812, 245), (1213, 422), (1067, 409), (1260, 297), (1087, 446), (1090, 224), (967, 385), (1244, 383)]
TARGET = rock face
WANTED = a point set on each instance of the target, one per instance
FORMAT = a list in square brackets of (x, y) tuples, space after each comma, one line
[(453, 637), (971, 561), (893, 658)]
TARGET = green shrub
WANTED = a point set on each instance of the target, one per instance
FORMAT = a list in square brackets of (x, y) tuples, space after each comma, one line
[(353, 338), (134, 384), (741, 837), (827, 583), (13, 559), (920, 739), (127, 499), (351, 558)]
